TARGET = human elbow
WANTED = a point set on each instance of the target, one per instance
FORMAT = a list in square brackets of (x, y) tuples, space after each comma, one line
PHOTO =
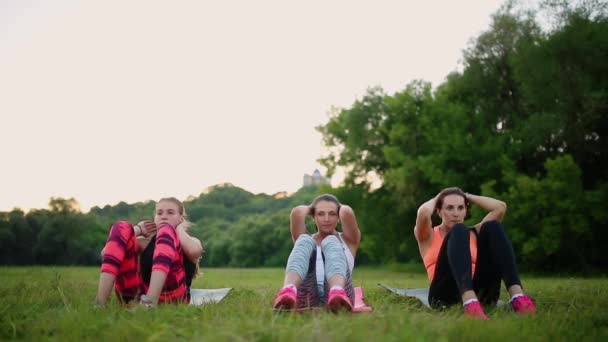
[(345, 210), (502, 207), (195, 251), (294, 212), (423, 212), (298, 212), (193, 256)]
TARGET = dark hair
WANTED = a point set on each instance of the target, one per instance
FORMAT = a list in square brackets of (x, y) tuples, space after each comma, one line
[(324, 197), (452, 191)]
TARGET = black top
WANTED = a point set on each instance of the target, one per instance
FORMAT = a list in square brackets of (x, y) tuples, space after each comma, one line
[(145, 264)]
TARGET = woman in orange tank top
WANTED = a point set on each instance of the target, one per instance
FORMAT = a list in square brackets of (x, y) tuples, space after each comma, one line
[(466, 264)]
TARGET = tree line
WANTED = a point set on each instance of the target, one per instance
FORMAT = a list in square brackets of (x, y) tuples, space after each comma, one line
[(237, 228), (523, 121)]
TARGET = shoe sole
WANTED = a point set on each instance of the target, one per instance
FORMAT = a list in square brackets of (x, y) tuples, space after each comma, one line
[(481, 318), (525, 312), (285, 304), (301, 311), (340, 304)]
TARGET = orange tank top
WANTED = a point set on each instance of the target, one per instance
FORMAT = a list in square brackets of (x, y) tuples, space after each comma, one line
[(430, 256)]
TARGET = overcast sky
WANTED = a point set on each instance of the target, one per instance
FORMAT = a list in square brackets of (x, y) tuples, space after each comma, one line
[(106, 101)]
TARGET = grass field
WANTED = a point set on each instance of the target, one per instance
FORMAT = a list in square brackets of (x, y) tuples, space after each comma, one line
[(55, 303)]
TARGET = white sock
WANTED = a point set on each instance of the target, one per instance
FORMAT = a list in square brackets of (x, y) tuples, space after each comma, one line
[(469, 301), (292, 286), (516, 295), (336, 287)]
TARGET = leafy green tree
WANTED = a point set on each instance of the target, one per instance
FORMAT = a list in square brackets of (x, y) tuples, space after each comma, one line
[(67, 236), (8, 241), (547, 217), (565, 84), (22, 253), (261, 240), (360, 134)]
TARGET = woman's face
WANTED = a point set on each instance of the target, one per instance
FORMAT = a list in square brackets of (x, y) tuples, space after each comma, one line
[(453, 210), (326, 217), (167, 212)]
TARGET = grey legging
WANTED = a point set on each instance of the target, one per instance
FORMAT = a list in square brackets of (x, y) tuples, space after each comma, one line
[(302, 261)]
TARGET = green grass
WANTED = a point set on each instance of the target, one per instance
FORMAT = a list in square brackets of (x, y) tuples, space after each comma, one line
[(55, 303)]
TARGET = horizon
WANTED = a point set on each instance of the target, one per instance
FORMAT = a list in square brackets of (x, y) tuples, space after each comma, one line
[(184, 199)]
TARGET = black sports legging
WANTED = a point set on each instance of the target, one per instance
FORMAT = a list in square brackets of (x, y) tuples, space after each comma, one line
[(495, 261)]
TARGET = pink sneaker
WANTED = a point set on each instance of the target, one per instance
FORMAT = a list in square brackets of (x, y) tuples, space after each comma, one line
[(285, 300), (338, 300), (523, 305), (474, 310)]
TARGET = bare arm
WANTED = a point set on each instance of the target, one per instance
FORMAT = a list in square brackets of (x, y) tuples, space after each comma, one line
[(297, 221), (192, 247), (496, 209), (104, 289), (157, 281), (424, 226), (142, 243), (350, 229)]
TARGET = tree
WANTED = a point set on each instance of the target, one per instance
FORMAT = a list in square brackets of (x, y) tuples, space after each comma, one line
[(548, 218), (360, 135), (567, 113)]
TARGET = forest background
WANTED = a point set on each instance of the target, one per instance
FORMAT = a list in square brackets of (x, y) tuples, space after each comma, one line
[(523, 121)]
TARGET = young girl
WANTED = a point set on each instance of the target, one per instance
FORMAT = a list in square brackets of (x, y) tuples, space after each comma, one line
[(164, 277)]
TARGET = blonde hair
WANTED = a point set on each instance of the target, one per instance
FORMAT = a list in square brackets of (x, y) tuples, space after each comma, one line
[(180, 209)]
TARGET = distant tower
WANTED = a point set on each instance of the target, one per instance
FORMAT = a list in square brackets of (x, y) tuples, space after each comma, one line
[(315, 179)]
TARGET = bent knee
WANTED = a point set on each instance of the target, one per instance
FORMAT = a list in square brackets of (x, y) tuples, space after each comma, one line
[(123, 228), (491, 225), (166, 225), (460, 228), (329, 243), (166, 229), (305, 240)]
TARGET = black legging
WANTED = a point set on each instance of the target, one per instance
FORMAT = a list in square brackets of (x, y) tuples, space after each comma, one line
[(495, 261)]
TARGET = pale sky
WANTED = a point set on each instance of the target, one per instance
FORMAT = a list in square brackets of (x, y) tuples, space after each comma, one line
[(106, 101)]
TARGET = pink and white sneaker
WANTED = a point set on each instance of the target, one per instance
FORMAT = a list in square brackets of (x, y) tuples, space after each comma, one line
[(474, 310), (523, 305), (339, 301), (286, 299)]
